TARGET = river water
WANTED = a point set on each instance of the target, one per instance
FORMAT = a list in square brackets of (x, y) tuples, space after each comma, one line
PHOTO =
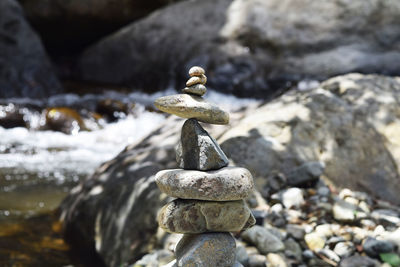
[(38, 168)]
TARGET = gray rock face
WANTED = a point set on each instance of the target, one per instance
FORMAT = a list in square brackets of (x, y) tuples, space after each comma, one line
[(327, 124), (263, 239), (199, 151), (196, 216), (228, 38), (25, 69), (230, 183), (190, 106), (209, 249)]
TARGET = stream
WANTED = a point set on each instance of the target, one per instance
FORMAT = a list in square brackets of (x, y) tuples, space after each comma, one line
[(38, 169)]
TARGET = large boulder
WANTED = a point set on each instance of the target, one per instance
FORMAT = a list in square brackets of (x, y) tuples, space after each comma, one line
[(25, 69), (68, 26), (249, 46), (110, 218), (350, 123)]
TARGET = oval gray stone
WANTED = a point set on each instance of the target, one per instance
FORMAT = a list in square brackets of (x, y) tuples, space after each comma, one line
[(190, 106), (229, 183), (205, 250), (197, 89), (196, 71), (201, 79), (196, 216)]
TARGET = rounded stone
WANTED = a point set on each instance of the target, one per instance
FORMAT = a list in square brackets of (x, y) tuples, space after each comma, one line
[(196, 71), (229, 183), (197, 216), (202, 79), (197, 89), (190, 106), (209, 249)]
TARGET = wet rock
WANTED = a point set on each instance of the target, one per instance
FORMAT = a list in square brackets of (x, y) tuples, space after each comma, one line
[(189, 106), (195, 216), (306, 174), (64, 120), (25, 70), (263, 239), (11, 116), (229, 183), (359, 261), (113, 109), (373, 247), (209, 249), (199, 151)]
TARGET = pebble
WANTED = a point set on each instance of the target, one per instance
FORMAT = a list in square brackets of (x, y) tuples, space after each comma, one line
[(201, 79), (263, 239), (229, 183), (329, 254), (196, 71), (275, 260), (373, 247), (292, 197), (190, 106), (344, 249), (293, 249), (344, 211), (196, 216), (198, 150), (197, 89), (295, 231), (241, 255), (359, 261), (386, 217), (208, 249), (257, 260), (314, 241)]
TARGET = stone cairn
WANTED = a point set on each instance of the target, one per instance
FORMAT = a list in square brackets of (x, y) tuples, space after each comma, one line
[(209, 194)]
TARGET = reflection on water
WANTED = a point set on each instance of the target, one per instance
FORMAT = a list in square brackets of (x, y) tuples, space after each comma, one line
[(38, 168)]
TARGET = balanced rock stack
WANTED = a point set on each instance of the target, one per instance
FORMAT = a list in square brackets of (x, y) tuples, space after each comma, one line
[(209, 193)]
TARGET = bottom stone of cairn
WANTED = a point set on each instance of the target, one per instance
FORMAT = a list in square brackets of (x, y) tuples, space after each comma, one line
[(205, 250)]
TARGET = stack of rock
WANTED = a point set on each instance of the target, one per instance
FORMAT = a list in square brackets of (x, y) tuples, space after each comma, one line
[(209, 194)]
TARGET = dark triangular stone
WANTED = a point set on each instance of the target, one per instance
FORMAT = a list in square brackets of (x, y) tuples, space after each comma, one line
[(198, 150)]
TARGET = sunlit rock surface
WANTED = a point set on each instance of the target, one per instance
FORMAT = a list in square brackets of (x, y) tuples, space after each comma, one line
[(350, 123)]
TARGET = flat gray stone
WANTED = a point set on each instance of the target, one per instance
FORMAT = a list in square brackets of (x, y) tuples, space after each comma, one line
[(190, 106), (197, 89), (206, 250), (229, 183), (201, 79), (198, 150), (196, 216)]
